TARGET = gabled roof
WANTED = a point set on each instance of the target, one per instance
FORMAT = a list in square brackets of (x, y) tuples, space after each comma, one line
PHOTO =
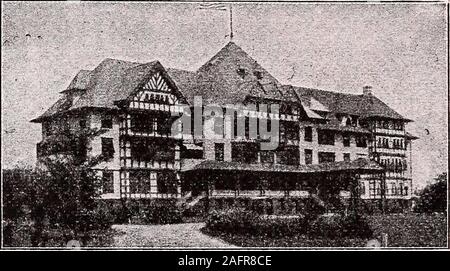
[(80, 81), (61, 105), (361, 105), (110, 81), (105, 84), (230, 76), (186, 82)]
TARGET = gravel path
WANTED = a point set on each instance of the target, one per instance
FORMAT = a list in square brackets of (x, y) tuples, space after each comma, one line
[(174, 235)]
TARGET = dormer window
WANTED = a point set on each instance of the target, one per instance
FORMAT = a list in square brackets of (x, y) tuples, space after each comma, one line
[(348, 122), (258, 74), (107, 122), (354, 121), (242, 72)]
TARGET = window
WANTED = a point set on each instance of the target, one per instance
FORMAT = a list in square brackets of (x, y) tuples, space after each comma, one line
[(139, 182), (346, 140), (354, 121), (140, 123), (372, 189), (218, 150), (393, 189), (291, 130), (82, 124), (258, 74), (361, 141), (108, 182), (242, 72), (163, 126), (266, 157), (347, 157), (192, 151), (167, 182), (308, 157), (398, 125), (107, 147), (288, 155), (243, 152), (326, 157), (325, 137), (107, 122), (362, 189), (218, 126), (308, 134), (148, 149)]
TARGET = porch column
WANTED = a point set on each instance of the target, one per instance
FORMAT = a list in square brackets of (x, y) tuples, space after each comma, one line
[(383, 191), (263, 184), (354, 192), (237, 184)]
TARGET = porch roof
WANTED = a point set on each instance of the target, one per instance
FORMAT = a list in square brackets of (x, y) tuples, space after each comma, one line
[(359, 165)]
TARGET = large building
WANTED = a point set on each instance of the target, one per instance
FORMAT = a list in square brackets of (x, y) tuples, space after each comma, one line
[(323, 136)]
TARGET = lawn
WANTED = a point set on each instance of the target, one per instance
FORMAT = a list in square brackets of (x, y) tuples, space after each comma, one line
[(404, 230), (412, 230)]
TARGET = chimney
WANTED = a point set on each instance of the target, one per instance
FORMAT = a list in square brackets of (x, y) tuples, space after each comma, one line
[(367, 90)]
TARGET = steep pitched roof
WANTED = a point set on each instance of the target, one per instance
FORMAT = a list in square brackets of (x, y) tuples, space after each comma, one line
[(186, 82), (361, 105), (61, 105), (106, 81), (231, 74), (80, 81), (112, 80)]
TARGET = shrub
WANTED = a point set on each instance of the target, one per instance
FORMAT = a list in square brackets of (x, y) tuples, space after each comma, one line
[(340, 226), (280, 227), (234, 220), (241, 221), (313, 208), (163, 211), (433, 198)]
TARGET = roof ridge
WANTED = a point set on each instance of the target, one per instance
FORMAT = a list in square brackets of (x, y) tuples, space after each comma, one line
[(323, 90)]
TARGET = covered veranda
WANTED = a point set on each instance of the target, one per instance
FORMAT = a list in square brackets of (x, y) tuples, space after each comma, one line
[(329, 182)]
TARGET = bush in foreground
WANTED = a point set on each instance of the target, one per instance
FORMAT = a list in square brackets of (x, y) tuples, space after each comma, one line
[(340, 226), (433, 198), (163, 212), (240, 221)]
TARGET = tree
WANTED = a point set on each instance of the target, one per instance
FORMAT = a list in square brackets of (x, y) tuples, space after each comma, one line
[(65, 188), (433, 197), (16, 190)]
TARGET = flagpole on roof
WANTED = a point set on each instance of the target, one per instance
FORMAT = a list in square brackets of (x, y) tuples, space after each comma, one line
[(220, 7), (231, 22)]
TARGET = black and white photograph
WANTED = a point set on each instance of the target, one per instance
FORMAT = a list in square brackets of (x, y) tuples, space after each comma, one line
[(203, 125)]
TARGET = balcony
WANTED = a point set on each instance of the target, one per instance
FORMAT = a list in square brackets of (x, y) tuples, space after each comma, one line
[(61, 145)]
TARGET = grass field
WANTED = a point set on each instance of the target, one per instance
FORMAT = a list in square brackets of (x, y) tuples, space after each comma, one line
[(412, 230), (404, 230)]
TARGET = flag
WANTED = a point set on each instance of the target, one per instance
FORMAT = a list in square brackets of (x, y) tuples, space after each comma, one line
[(214, 6)]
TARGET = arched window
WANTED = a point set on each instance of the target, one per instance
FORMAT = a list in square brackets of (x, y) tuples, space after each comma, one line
[(348, 122)]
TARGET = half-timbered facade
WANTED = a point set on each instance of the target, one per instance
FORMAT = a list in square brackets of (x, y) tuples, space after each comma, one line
[(323, 136)]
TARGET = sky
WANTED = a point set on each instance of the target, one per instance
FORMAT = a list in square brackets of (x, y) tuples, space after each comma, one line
[(398, 49)]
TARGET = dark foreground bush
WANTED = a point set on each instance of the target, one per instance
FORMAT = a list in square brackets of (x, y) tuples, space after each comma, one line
[(339, 226), (163, 211), (241, 221)]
